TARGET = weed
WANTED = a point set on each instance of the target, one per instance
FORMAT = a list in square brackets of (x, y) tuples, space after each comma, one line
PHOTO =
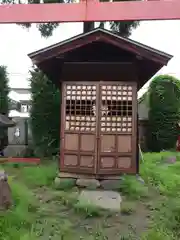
[(87, 209), (158, 234), (127, 208), (29, 219), (166, 179), (17, 221), (67, 198), (132, 188), (37, 176), (64, 184)]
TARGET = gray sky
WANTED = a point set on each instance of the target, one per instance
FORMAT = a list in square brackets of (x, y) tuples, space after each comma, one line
[(17, 42)]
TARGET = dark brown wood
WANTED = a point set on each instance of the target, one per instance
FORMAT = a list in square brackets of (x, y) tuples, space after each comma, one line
[(142, 52), (88, 26), (78, 141), (135, 161), (117, 140), (100, 73), (94, 64), (95, 36), (62, 117), (99, 45), (95, 72), (98, 137)]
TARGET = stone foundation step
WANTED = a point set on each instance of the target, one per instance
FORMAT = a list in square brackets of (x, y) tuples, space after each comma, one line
[(109, 200)]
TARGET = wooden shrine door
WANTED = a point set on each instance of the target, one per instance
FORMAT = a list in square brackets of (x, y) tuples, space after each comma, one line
[(118, 128), (98, 128), (79, 128)]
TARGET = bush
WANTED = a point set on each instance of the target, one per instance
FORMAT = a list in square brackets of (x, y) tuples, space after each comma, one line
[(4, 103), (45, 115), (4, 91), (164, 113)]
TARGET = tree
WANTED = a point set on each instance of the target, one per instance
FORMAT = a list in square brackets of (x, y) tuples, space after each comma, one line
[(45, 115), (164, 112), (4, 91), (124, 28), (4, 103)]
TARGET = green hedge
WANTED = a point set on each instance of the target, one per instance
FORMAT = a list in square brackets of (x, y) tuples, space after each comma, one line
[(164, 112), (45, 114)]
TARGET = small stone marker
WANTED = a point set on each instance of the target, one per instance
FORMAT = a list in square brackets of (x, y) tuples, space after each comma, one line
[(109, 200), (5, 192)]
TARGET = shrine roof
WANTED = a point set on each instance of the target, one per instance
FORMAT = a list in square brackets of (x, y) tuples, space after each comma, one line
[(107, 46), (97, 35), (5, 121)]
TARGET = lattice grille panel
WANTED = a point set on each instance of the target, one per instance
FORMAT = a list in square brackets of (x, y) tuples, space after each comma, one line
[(116, 108), (80, 102), (80, 92)]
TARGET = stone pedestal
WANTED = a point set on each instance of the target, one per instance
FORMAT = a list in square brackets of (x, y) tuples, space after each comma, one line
[(104, 199), (66, 180)]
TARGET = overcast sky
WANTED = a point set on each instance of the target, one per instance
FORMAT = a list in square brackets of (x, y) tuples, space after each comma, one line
[(17, 42)]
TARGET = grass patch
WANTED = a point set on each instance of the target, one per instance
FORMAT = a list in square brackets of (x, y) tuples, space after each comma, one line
[(64, 183), (40, 175), (165, 179), (63, 215), (34, 176), (70, 199), (17, 221), (127, 208), (158, 234), (133, 188), (87, 209)]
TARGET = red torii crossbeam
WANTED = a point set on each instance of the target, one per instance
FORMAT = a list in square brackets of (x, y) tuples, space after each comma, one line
[(90, 10)]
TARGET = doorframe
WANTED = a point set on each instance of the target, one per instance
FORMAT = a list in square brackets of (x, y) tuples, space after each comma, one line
[(96, 168), (134, 167), (62, 130)]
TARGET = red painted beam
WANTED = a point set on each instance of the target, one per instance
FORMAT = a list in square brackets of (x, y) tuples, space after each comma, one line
[(134, 10), (20, 160), (42, 13), (90, 11)]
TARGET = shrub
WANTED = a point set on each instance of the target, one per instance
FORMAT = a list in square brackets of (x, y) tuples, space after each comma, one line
[(45, 114), (164, 112)]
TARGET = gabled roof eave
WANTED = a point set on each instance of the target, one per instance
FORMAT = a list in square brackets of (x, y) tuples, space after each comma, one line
[(166, 57)]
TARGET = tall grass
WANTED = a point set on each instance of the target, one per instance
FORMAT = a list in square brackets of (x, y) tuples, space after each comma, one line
[(35, 176), (43, 175), (165, 178), (17, 221)]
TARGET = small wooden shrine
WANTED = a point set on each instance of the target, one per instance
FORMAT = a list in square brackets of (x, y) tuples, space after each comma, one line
[(6, 122), (99, 74)]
